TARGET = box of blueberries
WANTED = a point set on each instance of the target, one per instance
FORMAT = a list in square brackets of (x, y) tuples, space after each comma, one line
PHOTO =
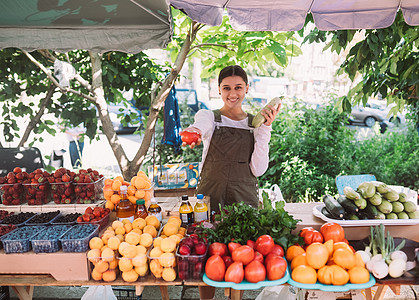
[(47, 241), (77, 238), (18, 240)]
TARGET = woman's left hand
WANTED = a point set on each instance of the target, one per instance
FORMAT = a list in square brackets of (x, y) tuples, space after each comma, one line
[(270, 114)]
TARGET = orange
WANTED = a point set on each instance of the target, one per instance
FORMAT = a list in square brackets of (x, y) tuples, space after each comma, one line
[(304, 274), (155, 252), (96, 275), (140, 182), (151, 230), (108, 255), (95, 243), (116, 224), (293, 251), (167, 260), (109, 204), (93, 255), (344, 258), (168, 245), (130, 276), (130, 251), (139, 223), (156, 268), (114, 242), (125, 264), (102, 266), (141, 173), (358, 275), (176, 220), (146, 240), (108, 192), (299, 260), (131, 190), (139, 260), (109, 275), (141, 270), (133, 238), (119, 178), (317, 255)]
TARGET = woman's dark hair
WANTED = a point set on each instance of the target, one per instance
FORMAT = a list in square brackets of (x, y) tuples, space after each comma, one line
[(232, 71)]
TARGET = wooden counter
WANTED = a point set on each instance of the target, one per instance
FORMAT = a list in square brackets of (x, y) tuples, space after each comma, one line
[(24, 284)]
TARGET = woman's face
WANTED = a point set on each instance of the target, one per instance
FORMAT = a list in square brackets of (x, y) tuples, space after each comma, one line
[(233, 89)]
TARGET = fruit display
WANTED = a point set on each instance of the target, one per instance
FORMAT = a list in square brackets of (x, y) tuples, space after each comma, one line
[(97, 215), (77, 238), (61, 186), (43, 218), (18, 241), (191, 256), (88, 186), (17, 219), (4, 213), (139, 187), (123, 247), (253, 262), (162, 255), (11, 189), (66, 219), (371, 200), (36, 188), (47, 241), (331, 261)]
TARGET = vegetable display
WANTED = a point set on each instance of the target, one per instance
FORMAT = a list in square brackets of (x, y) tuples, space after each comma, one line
[(241, 222), (371, 200)]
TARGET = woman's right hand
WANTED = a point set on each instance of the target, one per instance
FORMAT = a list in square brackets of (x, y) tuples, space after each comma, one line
[(191, 136)]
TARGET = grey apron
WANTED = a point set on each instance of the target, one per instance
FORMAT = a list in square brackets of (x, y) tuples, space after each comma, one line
[(226, 176)]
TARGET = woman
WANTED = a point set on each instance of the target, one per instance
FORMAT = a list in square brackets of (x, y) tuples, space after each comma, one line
[(234, 152)]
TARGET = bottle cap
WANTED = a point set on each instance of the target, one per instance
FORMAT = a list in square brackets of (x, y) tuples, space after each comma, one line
[(139, 202), (185, 197), (199, 196), (124, 188)]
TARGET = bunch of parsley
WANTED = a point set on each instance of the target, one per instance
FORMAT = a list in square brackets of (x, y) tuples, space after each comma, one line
[(241, 222)]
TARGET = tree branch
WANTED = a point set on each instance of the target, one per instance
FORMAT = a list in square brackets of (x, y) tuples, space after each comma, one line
[(35, 120), (54, 81)]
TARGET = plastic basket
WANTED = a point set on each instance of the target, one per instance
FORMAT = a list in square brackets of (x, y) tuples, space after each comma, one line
[(61, 221), (11, 194), (51, 216), (191, 266), (5, 229), (36, 193), (18, 240), (18, 219), (47, 241), (87, 193), (102, 222), (62, 192), (125, 293), (77, 238)]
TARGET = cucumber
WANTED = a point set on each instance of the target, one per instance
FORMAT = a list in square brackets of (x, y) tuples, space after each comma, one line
[(362, 215), (353, 217), (259, 119), (348, 205), (371, 211), (333, 206)]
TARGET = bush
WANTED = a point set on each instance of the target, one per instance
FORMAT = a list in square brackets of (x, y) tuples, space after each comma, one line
[(309, 148)]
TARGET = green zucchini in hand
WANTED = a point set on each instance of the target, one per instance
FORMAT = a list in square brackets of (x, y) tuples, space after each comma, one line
[(348, 205), (333, 207), (259, 119)]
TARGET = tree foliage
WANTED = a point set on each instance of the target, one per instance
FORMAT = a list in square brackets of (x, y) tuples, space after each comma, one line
[(385, 58)]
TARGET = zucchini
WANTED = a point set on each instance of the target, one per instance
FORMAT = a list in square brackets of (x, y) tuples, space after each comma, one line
[(362, 215), (361, 203), (333, 206), (326, 213), (353, 217), (348, 205), (259, 119), (371, 211)]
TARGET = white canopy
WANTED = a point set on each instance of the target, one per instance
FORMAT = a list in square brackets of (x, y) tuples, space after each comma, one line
[(99, 25), (290, 15)]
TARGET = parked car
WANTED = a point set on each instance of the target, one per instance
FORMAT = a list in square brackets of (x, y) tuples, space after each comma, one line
[(375, 111), (190, 97), (116, 110)]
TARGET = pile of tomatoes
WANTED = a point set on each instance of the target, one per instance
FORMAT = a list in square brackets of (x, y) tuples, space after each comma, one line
[(254, 262), (326, 257)]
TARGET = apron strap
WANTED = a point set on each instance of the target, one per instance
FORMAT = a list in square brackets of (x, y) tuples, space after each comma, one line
[(217, 117)]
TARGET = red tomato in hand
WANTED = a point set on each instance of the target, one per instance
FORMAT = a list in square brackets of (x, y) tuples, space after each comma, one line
[(227, 260), (278, 250), (189, 137), (232, 246), (243, 254), (275, 267), (217, 249), (215, 268), (264, 244), (332, 231), (255, 271), (235, 273)]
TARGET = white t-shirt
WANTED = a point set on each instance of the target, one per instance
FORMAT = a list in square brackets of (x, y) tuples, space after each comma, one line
[(204, 121)]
